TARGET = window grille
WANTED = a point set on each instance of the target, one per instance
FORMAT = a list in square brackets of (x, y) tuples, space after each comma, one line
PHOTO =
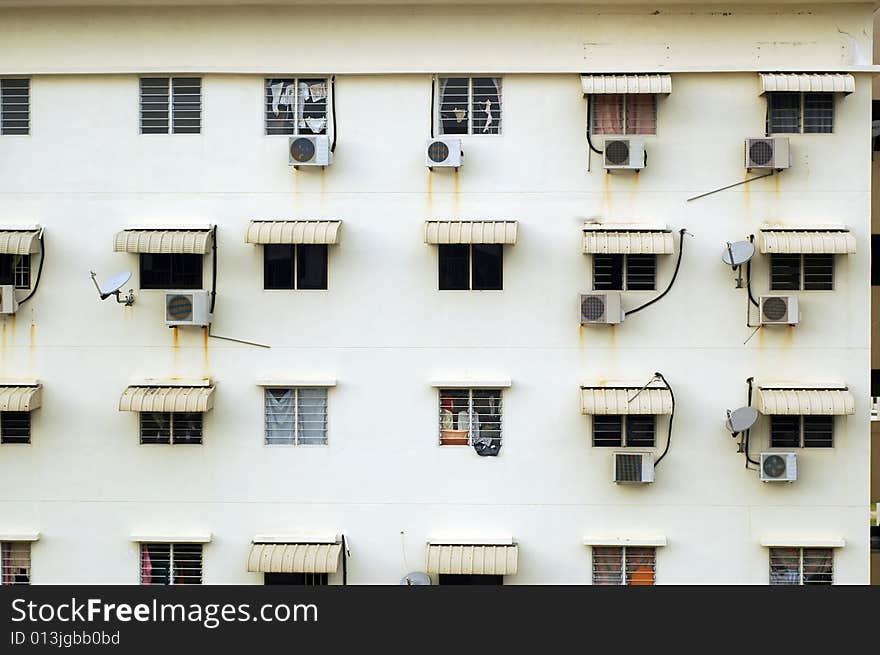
[(624, 565), (794, 113), (15, 562), (469, 105), (171, 564), (793, 272), (610, 430), (171, 101), (15, 270), (296, 106), (171, 427), (296, 417), (801, 431), (15, 106), (471, 414), (15, 427), (801, 566), (624, 272), (616, 114)]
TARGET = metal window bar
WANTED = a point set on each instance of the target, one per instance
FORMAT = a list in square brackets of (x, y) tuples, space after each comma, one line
[(296, 416), (471, 414), (607, 431), (462, 106), (624, 565), (818, 272), (640, 429), (608, 565), (15, 106), (15, 427), (171, 564), (21, 271), (296, 106), (607, 114), (155, 97), (785, 431), (608, 272), (186, 107), (818, 431), (640, 565), (641, 272), (15, 563), (818, 113), (801, 566), (784, 112), (171, 427), (785, 272)]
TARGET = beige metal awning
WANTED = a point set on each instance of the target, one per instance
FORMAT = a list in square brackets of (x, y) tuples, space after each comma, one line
[(18, 242), (625, 242), (167, 399), (805, 401), (808, 82), (625, 400), (293, 232), (195, 242), (832, 242), (646, 83), (20, 399), (443, 232), (294, 558), (472, 559)]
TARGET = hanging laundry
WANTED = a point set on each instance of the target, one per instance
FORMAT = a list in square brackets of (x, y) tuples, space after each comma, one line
[(316, 125), (301, 103), (318, 91), (488, 110), (460, 114), (276, 96)]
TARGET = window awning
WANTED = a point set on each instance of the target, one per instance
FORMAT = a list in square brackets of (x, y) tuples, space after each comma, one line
[(293, 232), (625, 400), (23, 398), (625, 541), (294, 558), (797, 542), (610, 240), (805, 401), (808, 82), (194, 242), (832, 242), (472, 559), (172, 537), (167, 399), (18, 242), (646, 83), (443, 232)]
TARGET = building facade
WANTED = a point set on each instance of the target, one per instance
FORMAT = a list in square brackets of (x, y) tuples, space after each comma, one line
[(408, 308)]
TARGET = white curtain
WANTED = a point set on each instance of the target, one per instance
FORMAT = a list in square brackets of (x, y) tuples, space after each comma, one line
[(279, 416)]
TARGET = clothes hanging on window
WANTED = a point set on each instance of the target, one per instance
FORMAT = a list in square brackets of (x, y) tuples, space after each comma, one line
[(316, 125), (276, 89)]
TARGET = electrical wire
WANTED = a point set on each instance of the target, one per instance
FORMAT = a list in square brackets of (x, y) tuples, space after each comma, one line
[(333, 110), (39, 269), (590, 127), (748, 433), (671, 282), (433, 100), (749, 276), (671, 417)]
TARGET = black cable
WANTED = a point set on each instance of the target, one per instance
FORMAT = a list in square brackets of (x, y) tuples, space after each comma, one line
[(433, 100), (671, 282), (213, 268), (748, 433), (333, 110), (344, 563), (645, 153), (39, 270), (671, 416), (749, 276), (590, 125)]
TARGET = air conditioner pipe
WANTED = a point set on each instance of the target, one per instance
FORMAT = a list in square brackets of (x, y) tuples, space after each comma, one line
[(333, 110), (730, 186), (433, 100), (671, 417), (681, 234), (39, 269), (590, 127), (749, 276), (748, 432), (344, 562)]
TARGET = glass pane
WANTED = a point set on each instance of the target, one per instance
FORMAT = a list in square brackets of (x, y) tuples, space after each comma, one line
[(155, 427), (641, 272), (784, 566), (818, 431), (186, 271), (311, 266), (640, 430), (641, 113), (818, 112), (785, 272), (278, 266), (784, 113), (819, 272), (785, 431), (15, 427), (608, 272), (607, 565), (454, 267), (488, 266)]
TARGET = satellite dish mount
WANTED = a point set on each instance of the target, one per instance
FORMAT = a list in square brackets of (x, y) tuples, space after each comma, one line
[(735, 255), (113, 288)]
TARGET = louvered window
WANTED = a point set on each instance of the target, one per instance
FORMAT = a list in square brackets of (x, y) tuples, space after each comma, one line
[(15, 106), (296, 106), (634, 430), (15, 427), (617, 114), (469, 105), (296, 579), (15, 562), (624, 272), (814, 431), (801, 566), (171, 564), (296, 417), (171, 427), (470, 417), (173, 103), (793, 112), (793, 272), (623, 565)]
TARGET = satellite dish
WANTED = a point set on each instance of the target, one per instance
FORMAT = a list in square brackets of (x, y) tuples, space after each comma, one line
[(416, 578), (738, 253), (740, 420), (112, 287)]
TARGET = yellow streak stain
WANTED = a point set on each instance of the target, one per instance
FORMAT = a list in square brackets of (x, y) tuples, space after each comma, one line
[(205, 344), (33, 335), (789, 336), (430, 193), (3, 336), (455, 190), (175, 338), (606, 194)]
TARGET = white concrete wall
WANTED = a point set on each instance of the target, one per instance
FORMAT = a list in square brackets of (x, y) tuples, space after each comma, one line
[(383, 330)]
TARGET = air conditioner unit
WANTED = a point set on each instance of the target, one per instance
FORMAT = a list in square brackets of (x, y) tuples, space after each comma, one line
[(633, 467), (601, 308), (770, 153), (624, 153), (312, 150), (188, 308), (778, 310), (8, 302), (778, 467), (443, 152)]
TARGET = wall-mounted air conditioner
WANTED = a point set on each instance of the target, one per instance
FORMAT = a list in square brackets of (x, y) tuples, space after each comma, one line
[(444, 152), (311, 150), (637, 468), (8, 303), (778, 467), (768, 153), (778, 310), (188, 308), (624, 153), (600, 308)]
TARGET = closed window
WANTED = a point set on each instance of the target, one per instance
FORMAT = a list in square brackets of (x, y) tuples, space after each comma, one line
[(171, 271), (470, 105), (470, 417), (288, 266), (477, 267), (15, 562), (15, 106), (16, 270), (623, 565), (634, 430), (624, 272), (794, 272), (171, 104), (622, 114), (296, 106), (470, 580), (801, 431), (171, 564), (171, 427), (296, 579), (794, 113), (801, 566), (875, 258), (296, 417), (15, 427)]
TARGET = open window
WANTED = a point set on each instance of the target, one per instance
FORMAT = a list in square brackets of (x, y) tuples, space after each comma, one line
[(469, 105), (170, 564), (801, 566), (15, 562), (471, 417), (624, 565), (296, 106)]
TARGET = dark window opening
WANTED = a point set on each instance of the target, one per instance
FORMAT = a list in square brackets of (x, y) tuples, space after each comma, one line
[(487, 266), (15, 427), (875, 259), (795, 113), (608, 272), (163, 564), (818, 431), (453, 579), (785, 431), (802, 431), (171, 271), (171, 102), (287, 266), (639, 272), (15, 106), (819, 272), (875, 382), (171, 427), (278, 266), (793, 272), (16, 270), (785, 272), (477, 267), (607, 431), (311, 266), (296, 579), (640, 430), (470, 105)]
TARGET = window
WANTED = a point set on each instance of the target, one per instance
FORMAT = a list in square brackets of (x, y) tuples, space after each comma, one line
[(296, 417), (477, 267), (875, 259), (171, 101), (15, 427), (288, 266), (171, 427), (793, 272), (623, 565), (15, 106), (470, 417), (797, 566), (167, 564), (16, 270), (296, 106), (15, 562), (470, 105), (794, 113), (635, 430), (171, 271), (801, 431), (472, 579), (621, 114), (298, 579), (624, 272)]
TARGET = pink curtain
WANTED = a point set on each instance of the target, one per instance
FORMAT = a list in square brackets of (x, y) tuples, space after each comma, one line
[(607, 114), (146, 566), (641, 116)]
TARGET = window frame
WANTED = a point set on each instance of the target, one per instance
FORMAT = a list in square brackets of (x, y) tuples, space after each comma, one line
[(453, 393), (296, 281), (172, 567), (19, 267), (800, 572), (171, 285), (624, 114), (625, 280), (170, 127), (296, 437), (438, 114), (9, 82), (802, 112), (267, 106), (445, 247), (802, 271), (172, 436), (625, 574), (802, 419), (14, 439), (21, 562), (624, 431)]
